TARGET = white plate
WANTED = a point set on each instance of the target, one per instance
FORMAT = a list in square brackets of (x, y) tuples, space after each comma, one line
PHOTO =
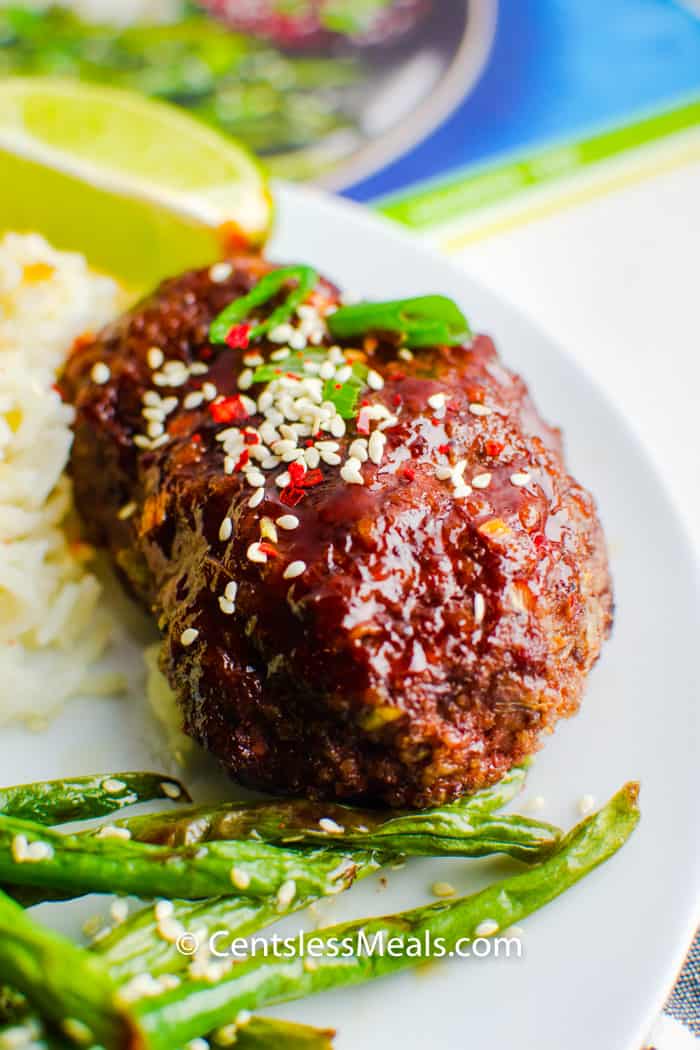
[(597, 962)]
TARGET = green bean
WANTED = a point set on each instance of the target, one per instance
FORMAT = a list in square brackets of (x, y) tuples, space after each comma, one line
[(63, 982), (35, 856), (198, 1006), (81, 798), (295, 822)]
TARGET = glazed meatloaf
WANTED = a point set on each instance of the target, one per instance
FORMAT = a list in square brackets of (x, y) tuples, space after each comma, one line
[(374, 578)]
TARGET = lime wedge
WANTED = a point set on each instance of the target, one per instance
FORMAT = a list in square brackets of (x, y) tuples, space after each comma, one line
[(137, 186)]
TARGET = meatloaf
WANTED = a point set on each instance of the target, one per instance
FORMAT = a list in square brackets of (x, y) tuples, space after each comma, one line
[(388, 599)]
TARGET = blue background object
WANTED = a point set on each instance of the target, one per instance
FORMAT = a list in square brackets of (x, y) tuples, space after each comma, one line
[(558, 69)]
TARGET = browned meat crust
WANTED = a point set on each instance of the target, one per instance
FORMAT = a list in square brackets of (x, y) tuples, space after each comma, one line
[(433, 634)]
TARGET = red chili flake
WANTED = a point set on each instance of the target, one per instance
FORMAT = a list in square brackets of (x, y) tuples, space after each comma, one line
[(494, 448), (364, 403), (196, 439), (408, 473), (398, 375), (251, 437), (296, 472), (242, 459), (539, 539), (228, 410), (268, 549), (396, 399), (309, 442), (238, 337), (311, 478), (338, 386), (435, 421), (291, 495), (444, 449), (452, 406), (206, 353)]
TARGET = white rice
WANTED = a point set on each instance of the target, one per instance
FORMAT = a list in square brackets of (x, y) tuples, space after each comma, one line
[(52, 629)]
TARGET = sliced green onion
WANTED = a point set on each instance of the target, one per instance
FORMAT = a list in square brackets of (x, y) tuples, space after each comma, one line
[(430, 320), (346, 395), (266, 288)]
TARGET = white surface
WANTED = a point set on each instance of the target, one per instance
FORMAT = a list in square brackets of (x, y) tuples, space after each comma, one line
[(598, 961)]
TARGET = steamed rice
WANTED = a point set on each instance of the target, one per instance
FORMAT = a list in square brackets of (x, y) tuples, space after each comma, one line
[(52, 629)]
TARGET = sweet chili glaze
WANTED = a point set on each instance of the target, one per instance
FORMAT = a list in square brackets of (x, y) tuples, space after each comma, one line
[(430, 625)]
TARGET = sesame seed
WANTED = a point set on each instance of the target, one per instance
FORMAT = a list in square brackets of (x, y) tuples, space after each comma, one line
[(312, 458), (119, 911), (231, 591), (245, 379), (163, 910), (229, 464), (443, 473), (126, 511), (280, 355), (153, 413), (170, 930), (405, 354), (519, 479), (286, 894), (198, 368), (193, 400), (331, 826), (253, 359), (225, 530), (479, 410), (358, 450), (288, 522), (155, 429), (228, 608), (282, 480), (332, 459), (374, 380), (220, 272), (141, 441), (437, 401), (586, 805), (151, 398), (170, 789), (268, 529), (255, 479), (111, 831), (442, 889), (209, 391), (479, 608), (158, 442), (240, 878), (350, 472), (189, 636), (19, 848), (281, 333), (294, 569), (155, 357), (100, 373), (255, 554), (243, 1017), (169, 404), (486, 928), (337, 426), (377, 442), (257, 498), (112, 786), (481, 481), (297, 341)]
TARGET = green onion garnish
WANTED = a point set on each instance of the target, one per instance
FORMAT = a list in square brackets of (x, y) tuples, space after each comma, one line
[(430, 320), (269, 286), (346, 395)]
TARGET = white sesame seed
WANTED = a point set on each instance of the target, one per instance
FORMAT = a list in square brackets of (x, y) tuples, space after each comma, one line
[(255, 554), (126, 511), (229, 464), (479, 608), (286, 894), (331, 458), (155, 429), (248, 404), (519, 479), (479, 410), (155, 357), (461, 491), (288, 522), (405, 354), (270, 462), (220, 272), (170, 789), (281, 354), (442, 889), (189, 636), (586, 805), (358, 450), (337, 426), (231, 591), (256, 499), (268, 529), (374, 380), (227, 608), (331, 826), (119, 911), (170, 930), (443, 473), (245, 379), (193, 400), (297, 341), (240, 878), (111, 831), (19, 848), (225, 530), (481, 481), (152, 398), (376, 445), (351, 474), (281, 333), (38, 851), (100, 373), (198, 368), (312, 458), (255, 479), (343, 373), (152, 413), (113, 786), (294, 569), (282, 480), (243, 1017), (158, 442), (169, 404), (209, 391), (437, 401), (163, 910), (486, 928)]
